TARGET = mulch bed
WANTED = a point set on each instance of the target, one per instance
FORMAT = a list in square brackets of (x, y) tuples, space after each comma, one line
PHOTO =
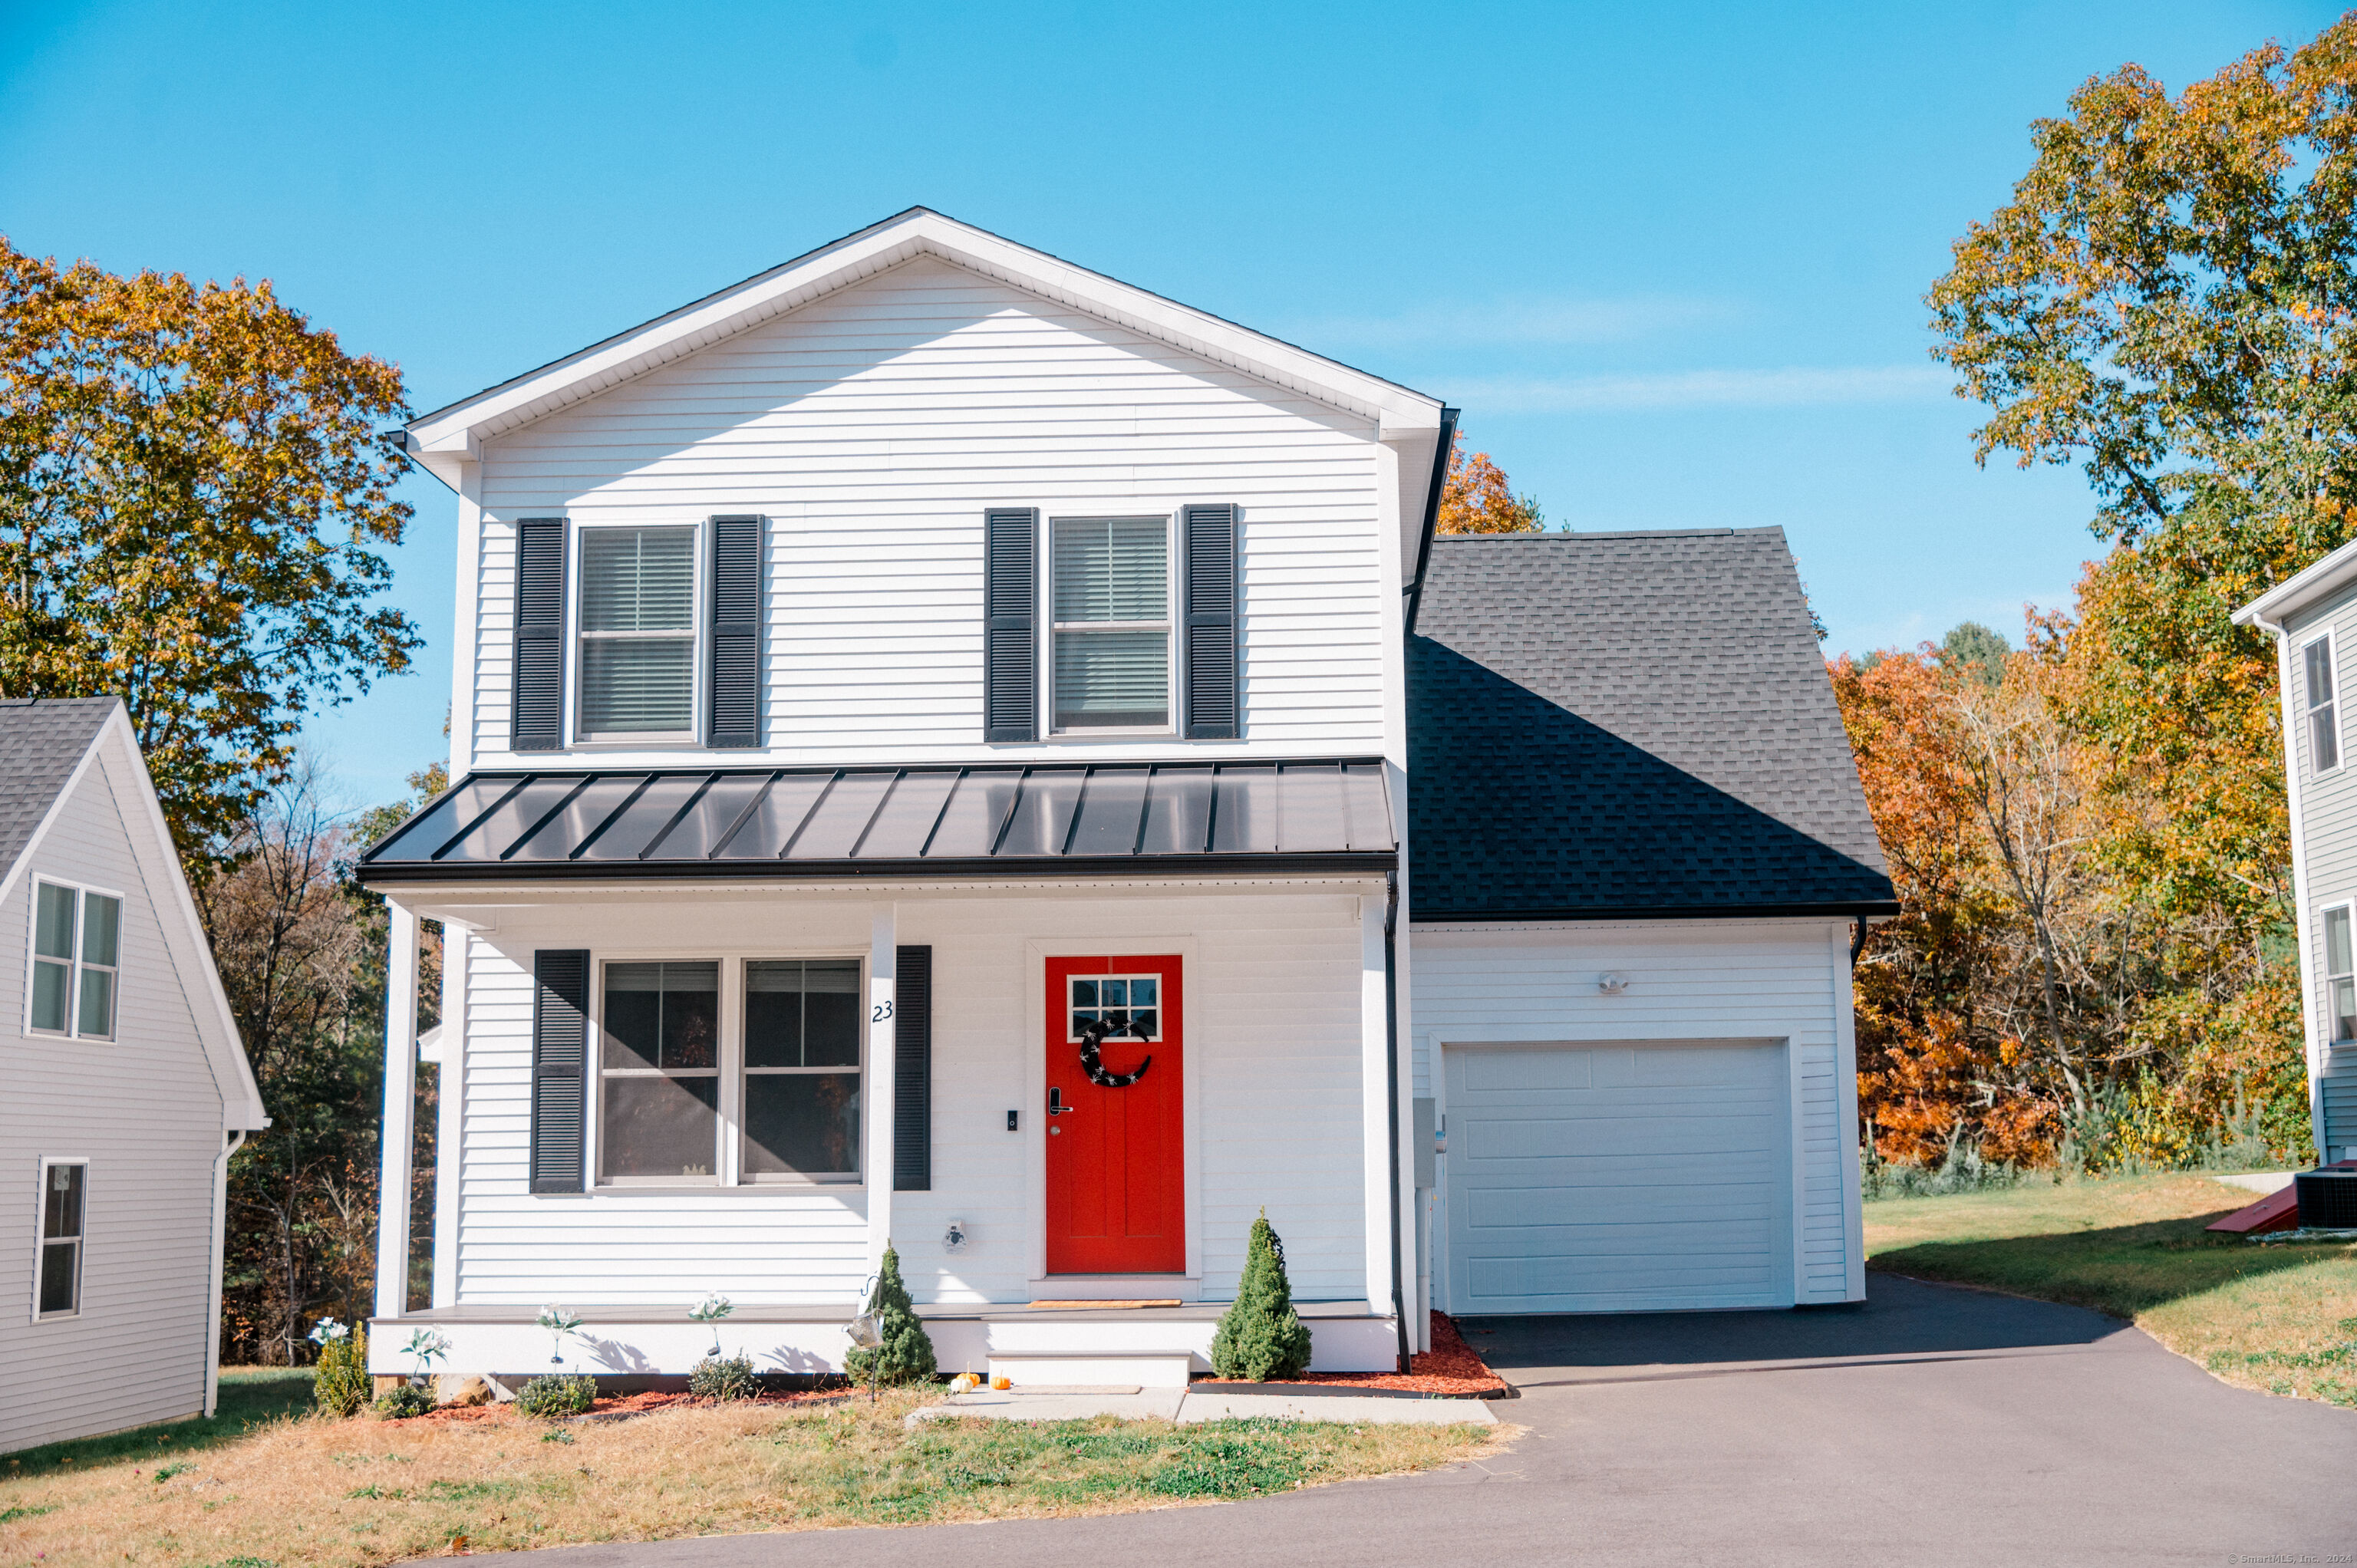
[(1450, 1366)]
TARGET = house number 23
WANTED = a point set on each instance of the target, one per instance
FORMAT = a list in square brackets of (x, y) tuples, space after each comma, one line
[(883, 1011)]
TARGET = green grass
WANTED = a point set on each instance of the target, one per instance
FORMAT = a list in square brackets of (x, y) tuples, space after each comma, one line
[(2278, 1316), (249, 1397)]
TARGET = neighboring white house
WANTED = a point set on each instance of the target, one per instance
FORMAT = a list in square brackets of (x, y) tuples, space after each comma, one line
[(124, 1088), (935, 740), (2313, 618)]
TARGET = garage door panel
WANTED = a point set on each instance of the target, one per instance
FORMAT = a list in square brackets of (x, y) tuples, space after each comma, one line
[(1627, 1136), (1619, 1178)]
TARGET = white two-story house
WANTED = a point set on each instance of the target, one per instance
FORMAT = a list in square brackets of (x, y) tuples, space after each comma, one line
[(935, 734)]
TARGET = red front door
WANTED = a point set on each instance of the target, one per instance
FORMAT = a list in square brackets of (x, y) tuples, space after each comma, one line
[(1116, 1159)]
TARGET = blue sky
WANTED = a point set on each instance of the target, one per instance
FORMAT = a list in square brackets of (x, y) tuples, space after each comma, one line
[(1668, 258)]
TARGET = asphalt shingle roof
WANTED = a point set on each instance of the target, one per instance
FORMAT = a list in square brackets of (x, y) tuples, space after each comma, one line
[(1605, 723), (40, 742)]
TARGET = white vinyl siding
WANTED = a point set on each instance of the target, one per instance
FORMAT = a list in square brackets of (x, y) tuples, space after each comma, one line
[(872, 427), (144, 1111), (1688, 980), (1273, 1045)]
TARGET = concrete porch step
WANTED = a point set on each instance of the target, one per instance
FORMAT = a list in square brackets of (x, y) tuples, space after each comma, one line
[(1137, 1369)]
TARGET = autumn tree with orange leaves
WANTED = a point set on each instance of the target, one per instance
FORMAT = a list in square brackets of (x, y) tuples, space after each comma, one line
[(1476, 497)]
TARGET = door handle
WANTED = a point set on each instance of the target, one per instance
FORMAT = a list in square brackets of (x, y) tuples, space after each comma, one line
[(1056, 1106)]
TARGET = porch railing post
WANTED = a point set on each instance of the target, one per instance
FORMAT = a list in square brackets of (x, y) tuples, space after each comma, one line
[(882, 988), (398, 1142)]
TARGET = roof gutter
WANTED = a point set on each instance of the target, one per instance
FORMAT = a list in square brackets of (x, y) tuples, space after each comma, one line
[(1440, 455)]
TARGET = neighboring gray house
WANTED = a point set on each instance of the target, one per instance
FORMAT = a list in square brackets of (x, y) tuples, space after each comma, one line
[(2313, 618), (123, 1090)]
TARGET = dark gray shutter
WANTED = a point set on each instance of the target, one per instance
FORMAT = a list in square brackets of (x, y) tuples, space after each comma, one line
[(735, 631), (1011, 647), (560, 1049), (536, 712), (1214, 700), (912, 1071)]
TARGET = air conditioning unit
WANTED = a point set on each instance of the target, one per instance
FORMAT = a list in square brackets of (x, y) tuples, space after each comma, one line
[(2328, 1200)]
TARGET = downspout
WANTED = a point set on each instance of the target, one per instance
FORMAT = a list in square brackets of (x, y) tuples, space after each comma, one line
[(1391, 1073), (1858, 943), (213, 1290)]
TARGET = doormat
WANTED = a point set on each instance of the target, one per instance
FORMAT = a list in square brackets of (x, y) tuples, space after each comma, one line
[(1098, 1305)]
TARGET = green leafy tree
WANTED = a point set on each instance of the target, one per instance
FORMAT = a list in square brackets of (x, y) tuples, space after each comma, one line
[(1261, 1337), (906, 1356), (1975, 652), (191, 489)]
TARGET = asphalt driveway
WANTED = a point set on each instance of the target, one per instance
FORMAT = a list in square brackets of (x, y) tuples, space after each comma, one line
[(1932, 1425)]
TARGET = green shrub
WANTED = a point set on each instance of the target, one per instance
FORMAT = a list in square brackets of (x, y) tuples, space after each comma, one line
[(340, 1383), (724, 1378), (907, 1354), (556, 1395), (403, 1400), (1261, 1337)]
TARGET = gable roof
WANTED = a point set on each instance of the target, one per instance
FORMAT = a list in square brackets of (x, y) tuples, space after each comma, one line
[(42, 743), (1610, 724), (47, 747), (443, 439)]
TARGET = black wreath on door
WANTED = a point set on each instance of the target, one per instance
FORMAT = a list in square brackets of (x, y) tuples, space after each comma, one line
[(1094, 1035)]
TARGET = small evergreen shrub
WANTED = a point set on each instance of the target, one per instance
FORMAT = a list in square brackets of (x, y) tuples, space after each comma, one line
[(556, 1395), (403, 1400), (907, 1354), (724, 1378), (340, 1382), (1261, 1337)]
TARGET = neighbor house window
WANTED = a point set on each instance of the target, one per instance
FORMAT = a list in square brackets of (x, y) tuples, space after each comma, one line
[(637, 634), (77, 935), (801, 1068), (59, 1291), (2340, 975), (659, 1071), (1110, 664), (2323, 727)]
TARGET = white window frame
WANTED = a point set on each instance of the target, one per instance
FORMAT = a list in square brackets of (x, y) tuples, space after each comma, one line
[(2334, 978), (728, 1171), (75, 965), (1168, 625), (2330, 706), (41, 1241), (577, 580)]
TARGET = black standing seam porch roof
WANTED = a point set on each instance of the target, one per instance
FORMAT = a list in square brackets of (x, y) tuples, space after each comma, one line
[(831, 823)]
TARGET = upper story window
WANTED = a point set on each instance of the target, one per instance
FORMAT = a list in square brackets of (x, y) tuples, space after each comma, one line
[(77, 935), (1110, 593), (2323, 727), (637, 634), (2340, 975)]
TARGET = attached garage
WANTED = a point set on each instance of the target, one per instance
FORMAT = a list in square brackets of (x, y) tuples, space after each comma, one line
[(1626, 1177)]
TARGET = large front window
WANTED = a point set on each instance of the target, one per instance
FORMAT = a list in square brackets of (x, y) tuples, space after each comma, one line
[(638, 633), (1111, 668), (670, 1052)]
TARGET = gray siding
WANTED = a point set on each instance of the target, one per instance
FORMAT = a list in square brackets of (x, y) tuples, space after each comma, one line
[(146, 1112)]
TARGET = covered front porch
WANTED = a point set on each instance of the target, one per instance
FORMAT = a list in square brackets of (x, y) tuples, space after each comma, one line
[(660, 1088)]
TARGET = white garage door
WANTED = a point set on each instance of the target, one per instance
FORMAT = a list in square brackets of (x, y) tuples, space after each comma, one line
[(1619, 1178)]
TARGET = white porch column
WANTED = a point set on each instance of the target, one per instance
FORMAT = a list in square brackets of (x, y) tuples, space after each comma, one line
[(1375, 1103), (451, 1103), (399, 1136), (882, 985)]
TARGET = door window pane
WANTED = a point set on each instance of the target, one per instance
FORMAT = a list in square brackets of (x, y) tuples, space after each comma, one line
[(806, 1123), (638, 624)]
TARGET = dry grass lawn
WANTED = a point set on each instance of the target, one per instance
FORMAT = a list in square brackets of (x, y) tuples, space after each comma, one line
[(311, 1489), (2276, 1316)]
